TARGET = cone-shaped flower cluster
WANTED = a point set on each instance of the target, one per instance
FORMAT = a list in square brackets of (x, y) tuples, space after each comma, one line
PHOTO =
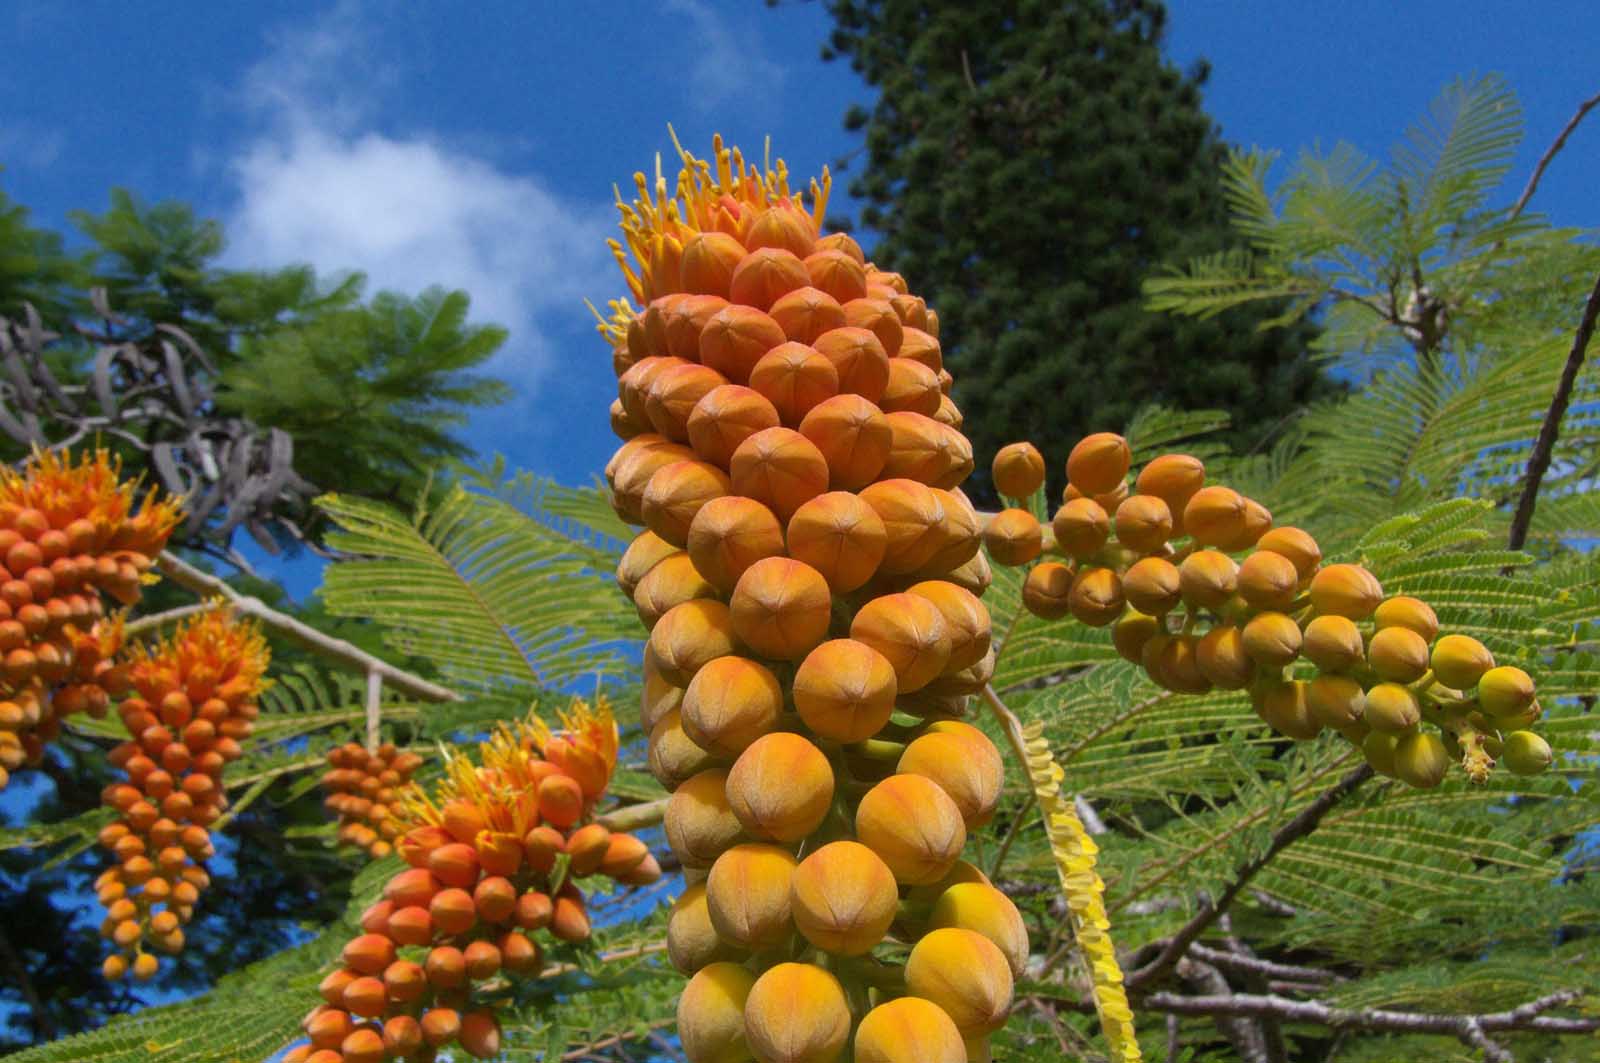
[(1202, 590), (493, 852), (809, 575), (68, 534), (362, 788), (193, 702)]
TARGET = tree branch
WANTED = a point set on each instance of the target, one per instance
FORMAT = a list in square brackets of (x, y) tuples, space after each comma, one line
[(351, 656), (1543, 447), (1301, 825), (43, 1023), (1550, 153)]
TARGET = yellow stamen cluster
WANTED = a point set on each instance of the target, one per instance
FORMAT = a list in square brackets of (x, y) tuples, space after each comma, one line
[(193, 702), (1204, 592), (494, 851), (69, 533)]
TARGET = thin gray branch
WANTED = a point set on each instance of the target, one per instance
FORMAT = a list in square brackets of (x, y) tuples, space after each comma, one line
[(1551, 152)]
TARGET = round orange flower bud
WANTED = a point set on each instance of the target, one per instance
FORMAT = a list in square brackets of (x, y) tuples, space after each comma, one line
[(480, 1034), (879, 318), (725, 417), (911, 387), (1506, 691), (1208, 578), (699, 821), (1272, 640), (949, 413), (1013, 537), (844, 243), (1018, 470), (730, 534), (981, 908), (909, 1030), (673, 394), (1172, 661), (1283, 705), (779, 468), (1173, 478), (966, 620), (841, 537), (837, 274), (1412, 613), (730, 703), (909, 631), (369, 953), (1131, 631), (624, 426), (1222, 657), (1333, 643), (794, 378), (853, 438), (912, 515), (632, 388), (1215, 516), (844, 690), (1297, 546), (1047, 590), (711, 1013), (673, 755), (1268, 580), (780, 787), (682, 320), (1096, 597), (914, 826), (765, 275), (1081, 527), (1143, 523), (965, 974), (919, 346), (1256, 522), (645, 552), (1345, 590), (452, 911), (797, 1013), (844, 897), (965, 766), (672, 582), (689, 636), (1153, 586), (958, 534), (440, 1026), (1459, 661), (634, 473), (1335, 700), (1098, 463), (692, 941), (1391, 708), (781, 608), (1398, 654), (747, 896), (733, 341), (858, 356), (924, 450), (708, 262), (785, 226), (806, 313)]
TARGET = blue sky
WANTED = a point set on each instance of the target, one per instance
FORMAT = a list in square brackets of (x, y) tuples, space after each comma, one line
[(476, 145)]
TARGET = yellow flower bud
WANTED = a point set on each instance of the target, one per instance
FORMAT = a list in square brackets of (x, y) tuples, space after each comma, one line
[(699, 822), (1459, 661), (965, 974), (966, 621), (1420, 759), (1283, 705), (1412, 613), (965, 765), (1223, 658), (1398, 654), (1271, 639), (1525, 753), (1298, 546), (1379, 750), (1268, 580), (780, 608), (1152, 585), (1215, 516), (780, 787), (1333, 643), (643, 554), (914, 826), (729, 535), (1391, 708), (747, 896), (1096, 597), (673, 581), (1143, 523), (711, 1014), (1132, 630), (1336, 700), (1208, 578), (673, 755), (1345, 590), (692, 942), (797, 1013), (1505, 691), (690, 636), (844, 690), (730, 703), (984, 909), (841, 537), (910, 632), (1081, 527), (909, 1030), (844, 897)]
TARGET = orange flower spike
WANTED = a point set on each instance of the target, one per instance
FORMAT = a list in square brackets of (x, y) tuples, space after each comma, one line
[(585, 749)]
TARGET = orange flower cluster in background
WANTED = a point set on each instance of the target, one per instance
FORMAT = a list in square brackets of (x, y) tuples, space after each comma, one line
[(1316, 645), (193, 702), (494, 853), (809, 573), (362, 788), (69, 533)]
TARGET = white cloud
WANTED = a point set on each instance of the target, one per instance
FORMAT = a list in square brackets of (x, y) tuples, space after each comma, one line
[(729, 63), (409, 210)]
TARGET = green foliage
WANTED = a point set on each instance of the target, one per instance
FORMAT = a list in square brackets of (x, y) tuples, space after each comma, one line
[(1027, 164), (34, 269)]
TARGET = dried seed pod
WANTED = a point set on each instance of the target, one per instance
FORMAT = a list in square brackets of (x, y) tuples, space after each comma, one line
[(844, 897)]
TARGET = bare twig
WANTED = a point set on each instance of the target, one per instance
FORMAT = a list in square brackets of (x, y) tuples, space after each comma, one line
[(43, 1023), (1544, 446), (635, 817), (1242, 1031), (1255, 965), (135, 628), (1550, 153), (374, 708), (345, 653), (1301, 825)]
